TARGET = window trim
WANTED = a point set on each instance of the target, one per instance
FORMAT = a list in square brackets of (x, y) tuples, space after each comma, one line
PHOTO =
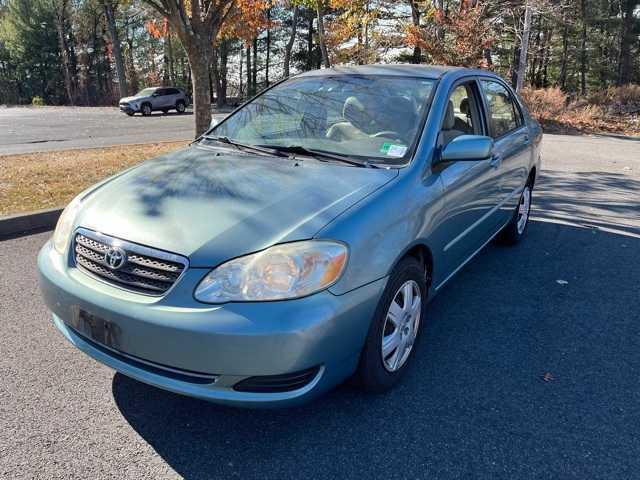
[(514, 101)]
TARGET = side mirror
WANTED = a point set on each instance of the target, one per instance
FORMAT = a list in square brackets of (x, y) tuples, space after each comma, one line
[(214, 122), (155, 94), (467, 148)]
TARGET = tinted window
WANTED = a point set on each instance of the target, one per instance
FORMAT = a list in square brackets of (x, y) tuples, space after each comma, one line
[(502, 111), (172, 91)]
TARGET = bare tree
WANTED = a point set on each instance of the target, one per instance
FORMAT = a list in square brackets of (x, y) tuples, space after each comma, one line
[(524, 48), (292, 39), (117, 50), (197, 28)]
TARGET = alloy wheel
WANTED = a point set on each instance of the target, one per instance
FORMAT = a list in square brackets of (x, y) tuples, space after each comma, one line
[(523, 209), (401, 326)]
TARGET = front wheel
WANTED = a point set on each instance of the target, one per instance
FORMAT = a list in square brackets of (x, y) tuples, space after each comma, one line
[(180, 107), (514, 231), (395, 327), (146, 109), (130, 114)]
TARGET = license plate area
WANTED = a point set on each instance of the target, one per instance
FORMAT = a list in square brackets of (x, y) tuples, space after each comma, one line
[(96, 328)]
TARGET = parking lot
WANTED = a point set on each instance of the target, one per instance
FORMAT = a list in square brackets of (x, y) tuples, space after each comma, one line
[(528, 367), (27, 129)]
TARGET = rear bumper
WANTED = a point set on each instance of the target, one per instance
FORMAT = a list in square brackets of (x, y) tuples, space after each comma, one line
[(225, 342)]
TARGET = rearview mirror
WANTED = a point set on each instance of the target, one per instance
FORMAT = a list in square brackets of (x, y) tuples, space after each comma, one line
[(467, 148)]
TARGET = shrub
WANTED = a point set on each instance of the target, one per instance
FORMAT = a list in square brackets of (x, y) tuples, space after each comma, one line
[(545, 103), (37, 101)]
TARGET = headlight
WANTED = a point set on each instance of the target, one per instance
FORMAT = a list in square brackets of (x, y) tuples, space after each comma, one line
[(65, 225), (281, 272)]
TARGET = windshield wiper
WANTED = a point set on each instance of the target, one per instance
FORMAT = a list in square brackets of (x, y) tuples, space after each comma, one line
[(319, 154), (245, 146)]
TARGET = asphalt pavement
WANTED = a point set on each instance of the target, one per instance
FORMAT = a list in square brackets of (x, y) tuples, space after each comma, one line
[(40, 129), (528, 367)]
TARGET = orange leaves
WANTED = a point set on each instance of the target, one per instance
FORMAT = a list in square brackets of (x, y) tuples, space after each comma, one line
[(247, 20), (453, 38), (157, 29)]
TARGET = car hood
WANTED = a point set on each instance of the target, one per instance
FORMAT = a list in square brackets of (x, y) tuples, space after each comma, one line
[(131, 99), (212, 205)]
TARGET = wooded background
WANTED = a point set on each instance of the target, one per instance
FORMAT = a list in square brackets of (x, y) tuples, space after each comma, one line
[(92, 52)]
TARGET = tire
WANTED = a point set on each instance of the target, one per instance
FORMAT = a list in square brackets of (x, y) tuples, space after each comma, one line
[(146, 109), (130, 114), (180, 106), (516, 229), (378, 371)]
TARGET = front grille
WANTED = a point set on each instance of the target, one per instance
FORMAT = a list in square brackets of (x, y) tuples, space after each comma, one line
[(277, 383), (144, 270)]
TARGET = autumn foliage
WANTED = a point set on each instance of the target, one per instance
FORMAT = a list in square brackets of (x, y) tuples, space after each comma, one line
[(458, 37)]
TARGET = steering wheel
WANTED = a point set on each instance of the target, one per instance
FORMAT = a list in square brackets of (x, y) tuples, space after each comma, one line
[(390, 134)]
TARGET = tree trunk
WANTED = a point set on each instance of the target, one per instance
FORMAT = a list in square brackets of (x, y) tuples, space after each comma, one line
[(562, 78), (199, 63), (61, 19), (268, 59), (250, 87), (221, 74), (625, 64), (309, 64), (254, 74), (416, 56), (522, 64), (117, 51), (172, 71), (583, 50), (321, 39), (240, 73), (289, 47)]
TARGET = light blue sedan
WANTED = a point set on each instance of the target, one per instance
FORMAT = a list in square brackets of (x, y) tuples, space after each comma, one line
[(296, 243)]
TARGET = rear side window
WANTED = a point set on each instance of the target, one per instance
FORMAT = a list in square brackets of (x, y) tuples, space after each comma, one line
[(503, 114), (172, 91)]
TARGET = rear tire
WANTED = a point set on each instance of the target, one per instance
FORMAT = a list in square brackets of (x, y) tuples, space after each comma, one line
[(396, 322), (180, 106), (515, 230), (146, 109)]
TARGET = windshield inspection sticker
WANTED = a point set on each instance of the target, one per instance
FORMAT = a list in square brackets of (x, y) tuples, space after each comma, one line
[(393, 150)]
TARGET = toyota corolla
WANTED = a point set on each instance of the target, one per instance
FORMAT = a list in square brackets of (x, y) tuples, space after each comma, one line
[(296, 243)]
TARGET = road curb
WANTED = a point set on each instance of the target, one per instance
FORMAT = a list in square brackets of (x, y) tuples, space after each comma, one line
[(25, 223)]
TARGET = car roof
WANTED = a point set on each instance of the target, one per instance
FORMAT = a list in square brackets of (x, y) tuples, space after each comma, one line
[(400, 70)]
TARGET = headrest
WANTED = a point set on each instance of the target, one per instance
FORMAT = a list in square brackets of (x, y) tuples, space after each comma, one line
[(355, 112), (397, 114), (449, 117), (464, 107)]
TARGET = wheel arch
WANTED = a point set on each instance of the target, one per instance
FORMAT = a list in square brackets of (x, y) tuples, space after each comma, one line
[(421, 252)]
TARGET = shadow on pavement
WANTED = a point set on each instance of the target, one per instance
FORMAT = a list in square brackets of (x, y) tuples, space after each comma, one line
[(515, 375)]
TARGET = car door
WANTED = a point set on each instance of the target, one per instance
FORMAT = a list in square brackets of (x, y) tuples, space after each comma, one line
[(512, 146), (471, 189), (171, 97)]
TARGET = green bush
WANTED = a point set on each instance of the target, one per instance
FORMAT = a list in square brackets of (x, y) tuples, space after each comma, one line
[(37, 101)]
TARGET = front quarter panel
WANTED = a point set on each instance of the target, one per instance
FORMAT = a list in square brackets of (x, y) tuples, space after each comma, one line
[(383, 227)]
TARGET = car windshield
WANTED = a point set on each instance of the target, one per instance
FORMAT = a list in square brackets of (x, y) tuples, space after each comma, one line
[(373, 117), (147, 92)]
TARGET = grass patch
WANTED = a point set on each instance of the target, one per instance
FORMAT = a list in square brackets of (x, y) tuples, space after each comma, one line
[(34, 181)]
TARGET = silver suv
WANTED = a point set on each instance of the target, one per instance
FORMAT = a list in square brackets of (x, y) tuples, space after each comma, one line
[(154, 98)]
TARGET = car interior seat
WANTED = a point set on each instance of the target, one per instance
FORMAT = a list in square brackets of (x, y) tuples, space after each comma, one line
[(449, 130)]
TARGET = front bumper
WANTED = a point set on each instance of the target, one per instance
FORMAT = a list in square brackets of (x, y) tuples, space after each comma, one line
[(229, 342), (126, 108)]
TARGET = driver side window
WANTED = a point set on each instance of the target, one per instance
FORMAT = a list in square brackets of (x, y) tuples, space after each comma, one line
[(461, 115)]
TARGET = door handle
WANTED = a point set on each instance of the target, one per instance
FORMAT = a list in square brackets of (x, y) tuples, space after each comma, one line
[(496, 160)]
